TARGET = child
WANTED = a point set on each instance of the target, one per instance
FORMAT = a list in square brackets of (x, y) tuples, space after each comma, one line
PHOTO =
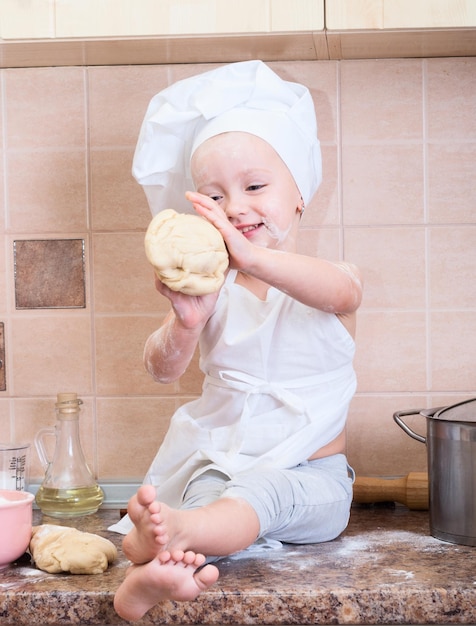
[(259, 457)]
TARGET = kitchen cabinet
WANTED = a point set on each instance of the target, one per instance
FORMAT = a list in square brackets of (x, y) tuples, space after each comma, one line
[(119, 32), (399, 14)]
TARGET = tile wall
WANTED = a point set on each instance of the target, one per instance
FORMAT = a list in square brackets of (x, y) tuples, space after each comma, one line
[(398, 199)]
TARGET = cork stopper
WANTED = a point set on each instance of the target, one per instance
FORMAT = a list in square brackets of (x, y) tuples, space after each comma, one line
[(67, 403)]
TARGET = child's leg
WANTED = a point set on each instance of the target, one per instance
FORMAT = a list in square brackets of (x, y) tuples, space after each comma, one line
[(167, 577), (306, 504), (222, 527)]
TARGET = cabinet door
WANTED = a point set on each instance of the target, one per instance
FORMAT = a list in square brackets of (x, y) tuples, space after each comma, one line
[(396, 14)]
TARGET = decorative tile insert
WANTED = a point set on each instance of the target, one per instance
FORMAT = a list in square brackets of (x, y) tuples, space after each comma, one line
[(49, 274)]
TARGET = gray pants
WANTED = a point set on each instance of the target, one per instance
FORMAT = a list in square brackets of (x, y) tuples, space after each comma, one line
[(309, 503)]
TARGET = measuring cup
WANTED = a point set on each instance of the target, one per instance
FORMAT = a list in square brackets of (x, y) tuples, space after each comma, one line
[(14, 466)]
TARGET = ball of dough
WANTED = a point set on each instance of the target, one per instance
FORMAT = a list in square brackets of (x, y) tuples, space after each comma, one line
[(57, 549), (187, 252)]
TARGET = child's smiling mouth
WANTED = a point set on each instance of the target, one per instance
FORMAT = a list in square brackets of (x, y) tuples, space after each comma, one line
[(248, 229)]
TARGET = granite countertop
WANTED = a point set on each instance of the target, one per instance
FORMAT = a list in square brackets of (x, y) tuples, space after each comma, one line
[(385, 569)]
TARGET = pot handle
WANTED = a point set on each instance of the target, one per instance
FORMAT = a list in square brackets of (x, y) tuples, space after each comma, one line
[(398, 418)]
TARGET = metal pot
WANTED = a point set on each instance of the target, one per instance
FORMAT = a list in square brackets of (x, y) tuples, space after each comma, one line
[(451, 450)]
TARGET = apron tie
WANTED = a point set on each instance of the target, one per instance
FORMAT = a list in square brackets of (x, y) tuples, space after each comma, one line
[(251, 385)]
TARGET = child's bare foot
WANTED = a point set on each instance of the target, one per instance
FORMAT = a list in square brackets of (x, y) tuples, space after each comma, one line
[(169, 576), (148, 537)]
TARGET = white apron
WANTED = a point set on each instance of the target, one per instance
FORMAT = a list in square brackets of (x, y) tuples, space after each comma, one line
[(278, 383)]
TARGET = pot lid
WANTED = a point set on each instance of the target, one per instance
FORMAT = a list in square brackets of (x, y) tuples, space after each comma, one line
[(461, 412)]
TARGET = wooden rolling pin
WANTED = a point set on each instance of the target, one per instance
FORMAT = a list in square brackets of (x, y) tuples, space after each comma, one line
[(410, 490)]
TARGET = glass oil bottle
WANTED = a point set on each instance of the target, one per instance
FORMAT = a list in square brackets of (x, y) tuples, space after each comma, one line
[(69, 489)]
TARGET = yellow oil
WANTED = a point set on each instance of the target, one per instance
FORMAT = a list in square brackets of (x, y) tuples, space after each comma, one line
[(69, 502)]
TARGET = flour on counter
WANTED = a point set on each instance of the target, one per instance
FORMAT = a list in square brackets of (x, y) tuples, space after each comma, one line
[(20, 574), (382, 540), (401, 572)]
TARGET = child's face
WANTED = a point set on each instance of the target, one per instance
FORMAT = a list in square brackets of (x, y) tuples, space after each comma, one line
[(253, 186)]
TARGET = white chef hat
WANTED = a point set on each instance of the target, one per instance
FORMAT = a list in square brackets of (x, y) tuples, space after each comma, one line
[(246, 96)]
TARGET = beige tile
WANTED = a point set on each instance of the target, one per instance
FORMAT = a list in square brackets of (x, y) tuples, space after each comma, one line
[(118, 202), (2, 188), (46, 191), (181, 71), (119, 349), (453, 346), (376, 445), (118, 100), (123, 278), (391, 352), (5, 344), (452, 267), (392, 262), (192, 380), (130, 431), (324, 208), (451, 188), (5, 287), (52, 353), (451, 96), (324, 243), (33, 414), (441, 400), (45, 108), (383, 184), (6, 434), (381, 100)]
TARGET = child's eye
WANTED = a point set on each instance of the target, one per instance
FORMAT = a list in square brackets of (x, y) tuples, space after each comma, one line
[(216, 198), (255, 187)]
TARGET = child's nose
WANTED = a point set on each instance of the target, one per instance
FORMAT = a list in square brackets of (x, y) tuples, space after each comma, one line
[(235, 207)]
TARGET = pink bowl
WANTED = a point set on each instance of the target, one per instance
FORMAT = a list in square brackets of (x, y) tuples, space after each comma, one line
[(16, 513)]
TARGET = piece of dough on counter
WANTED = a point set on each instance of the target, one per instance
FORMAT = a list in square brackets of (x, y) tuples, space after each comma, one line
[(57, 549), (187, 252)]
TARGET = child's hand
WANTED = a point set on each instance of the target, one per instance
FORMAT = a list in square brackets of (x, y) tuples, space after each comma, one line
[(239, 248), (190, 311)]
